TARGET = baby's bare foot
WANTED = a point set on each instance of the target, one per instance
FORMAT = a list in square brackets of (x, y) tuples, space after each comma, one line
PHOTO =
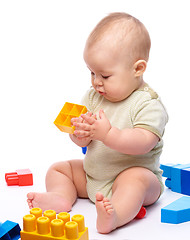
[(48, 200), (106, 216)]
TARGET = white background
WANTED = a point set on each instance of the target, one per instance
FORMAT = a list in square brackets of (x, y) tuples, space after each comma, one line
[(42, 67)]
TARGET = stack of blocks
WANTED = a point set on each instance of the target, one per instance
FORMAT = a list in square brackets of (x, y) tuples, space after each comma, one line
[(178, 177), (47, 227), (69, 111), (178, 180)]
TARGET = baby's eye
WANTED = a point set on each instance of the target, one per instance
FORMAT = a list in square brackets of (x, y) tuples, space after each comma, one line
[(105, 77), (92, 74)]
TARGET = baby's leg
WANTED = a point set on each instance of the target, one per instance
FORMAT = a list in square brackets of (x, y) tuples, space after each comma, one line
[(132, 188), (65, 181)]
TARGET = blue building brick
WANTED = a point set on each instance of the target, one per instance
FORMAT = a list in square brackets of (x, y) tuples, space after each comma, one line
[(176, 212), (9, 231), (185, 181)]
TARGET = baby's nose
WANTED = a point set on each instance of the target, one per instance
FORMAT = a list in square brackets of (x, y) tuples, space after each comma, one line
[(97, 81)]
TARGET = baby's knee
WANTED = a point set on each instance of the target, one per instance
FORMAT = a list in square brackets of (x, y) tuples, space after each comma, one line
[(135, 175), (63, 167), (146, 179)]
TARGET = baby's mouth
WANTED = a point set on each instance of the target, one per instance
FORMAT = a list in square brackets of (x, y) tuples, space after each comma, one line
[(101, 93)]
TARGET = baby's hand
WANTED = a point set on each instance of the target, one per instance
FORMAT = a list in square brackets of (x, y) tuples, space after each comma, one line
[(76, 121), (92, 128)]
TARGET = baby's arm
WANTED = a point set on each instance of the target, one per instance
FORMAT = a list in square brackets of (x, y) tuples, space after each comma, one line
[(129, 141)]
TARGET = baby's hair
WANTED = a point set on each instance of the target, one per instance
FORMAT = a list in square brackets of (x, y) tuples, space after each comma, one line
[(126, 29)]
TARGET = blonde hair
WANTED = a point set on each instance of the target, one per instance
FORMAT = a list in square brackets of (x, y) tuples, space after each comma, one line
[(126, 30)]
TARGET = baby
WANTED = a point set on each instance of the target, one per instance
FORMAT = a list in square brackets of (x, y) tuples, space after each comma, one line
[(123, 131)]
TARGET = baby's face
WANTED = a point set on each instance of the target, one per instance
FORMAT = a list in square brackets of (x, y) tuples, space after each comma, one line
[(112, 74)]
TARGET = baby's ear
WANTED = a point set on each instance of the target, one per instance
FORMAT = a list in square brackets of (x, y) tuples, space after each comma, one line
[(139, 67)]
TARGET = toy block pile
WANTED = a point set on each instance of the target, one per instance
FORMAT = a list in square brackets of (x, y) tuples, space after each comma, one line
[(178, 180), (178, 177)]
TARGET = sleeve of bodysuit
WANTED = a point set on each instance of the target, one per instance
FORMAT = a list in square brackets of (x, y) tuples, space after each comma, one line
[(151, 115)]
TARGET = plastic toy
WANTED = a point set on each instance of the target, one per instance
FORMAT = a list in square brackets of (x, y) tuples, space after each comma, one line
[(69, 111), (176, 212), (178, 177), (84, 149), (22, 177), (47, 227), (9, 231), (185, 179), (141, 213)]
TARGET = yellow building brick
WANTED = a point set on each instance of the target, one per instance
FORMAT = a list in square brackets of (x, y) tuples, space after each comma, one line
[(69, 111), (59, 228)]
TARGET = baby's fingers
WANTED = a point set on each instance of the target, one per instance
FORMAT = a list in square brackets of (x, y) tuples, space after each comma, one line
[(81, 134), (78, 119), (89, 114), (82, 126), (89, 120)]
